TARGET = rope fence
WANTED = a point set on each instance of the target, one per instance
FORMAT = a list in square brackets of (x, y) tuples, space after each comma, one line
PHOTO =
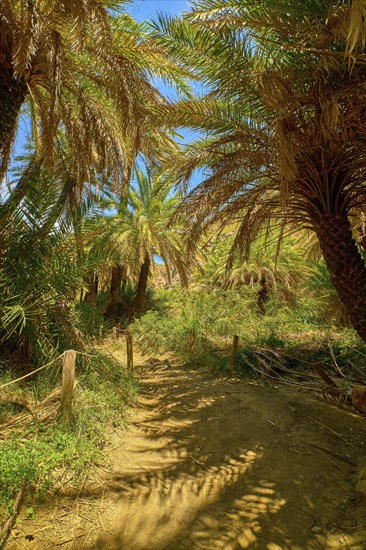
[(68, 384), (33, 372)]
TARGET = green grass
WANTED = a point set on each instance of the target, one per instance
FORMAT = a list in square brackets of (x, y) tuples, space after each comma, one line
[(48, 457), (54, 453)]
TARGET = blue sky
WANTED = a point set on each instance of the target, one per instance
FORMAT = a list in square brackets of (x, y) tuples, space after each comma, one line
[(147, 9), (143, 10)]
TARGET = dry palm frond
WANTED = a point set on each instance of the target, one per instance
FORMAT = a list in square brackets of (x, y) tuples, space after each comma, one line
[(278, 274), (84, 69), (282, 123)]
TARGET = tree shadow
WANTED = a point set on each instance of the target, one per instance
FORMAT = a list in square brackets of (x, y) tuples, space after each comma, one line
[(213, 464)]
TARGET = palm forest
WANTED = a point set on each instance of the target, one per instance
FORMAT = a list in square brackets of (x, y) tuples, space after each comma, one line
[(182, 275)]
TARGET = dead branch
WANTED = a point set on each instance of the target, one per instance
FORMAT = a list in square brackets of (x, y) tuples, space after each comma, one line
[(337, 367), (324, 376), (16, 399), (5, 531)]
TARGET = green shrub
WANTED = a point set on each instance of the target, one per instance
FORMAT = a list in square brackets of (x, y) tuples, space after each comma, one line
[(91, 320), (214, 316), (34, 462)]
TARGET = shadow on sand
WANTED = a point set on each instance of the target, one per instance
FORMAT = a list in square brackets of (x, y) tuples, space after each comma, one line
[(215, 464)]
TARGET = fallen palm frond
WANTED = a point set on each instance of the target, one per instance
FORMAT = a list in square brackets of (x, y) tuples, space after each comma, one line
[(346, 392), (21, 401), (45, 410)]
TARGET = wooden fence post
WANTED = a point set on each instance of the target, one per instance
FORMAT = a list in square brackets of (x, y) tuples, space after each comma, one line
[(68, 377), (114, 333), (129, 343), (233, 352)]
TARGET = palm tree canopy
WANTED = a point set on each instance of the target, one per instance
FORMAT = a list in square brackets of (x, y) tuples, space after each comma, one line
[(285, 103), (281, 269), (142, 229), (37, 268), (83, 67)]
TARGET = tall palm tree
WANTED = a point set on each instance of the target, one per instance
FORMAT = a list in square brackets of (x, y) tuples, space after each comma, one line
[(283, 122), (82, 67), (138, 234)]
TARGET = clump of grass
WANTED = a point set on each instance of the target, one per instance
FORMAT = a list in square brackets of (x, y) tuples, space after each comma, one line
[(91, 320)]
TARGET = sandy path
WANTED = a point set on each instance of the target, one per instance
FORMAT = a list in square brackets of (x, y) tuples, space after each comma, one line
[(211, 463)]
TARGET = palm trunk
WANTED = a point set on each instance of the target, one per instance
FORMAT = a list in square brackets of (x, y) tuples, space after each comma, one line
[(346, 267), (115, 290), (116, 282), (139, 301), (12, 96), (92, 290), (262, 296)]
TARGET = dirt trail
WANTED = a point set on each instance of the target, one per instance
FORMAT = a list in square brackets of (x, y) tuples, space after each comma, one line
[(212, 463)]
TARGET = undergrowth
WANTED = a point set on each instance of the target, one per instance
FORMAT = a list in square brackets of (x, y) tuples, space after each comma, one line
[(44, 456), (199, 325)]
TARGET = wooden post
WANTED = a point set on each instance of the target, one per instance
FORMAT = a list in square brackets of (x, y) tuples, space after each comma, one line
[(101, 331), (129, 343), (114, 333), (234, 347), (68, 377)]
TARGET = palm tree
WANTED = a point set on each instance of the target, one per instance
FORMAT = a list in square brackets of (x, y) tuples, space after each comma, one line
[(36, 270), (82, 67), (269, 270), (283, 122), (138, 234)]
